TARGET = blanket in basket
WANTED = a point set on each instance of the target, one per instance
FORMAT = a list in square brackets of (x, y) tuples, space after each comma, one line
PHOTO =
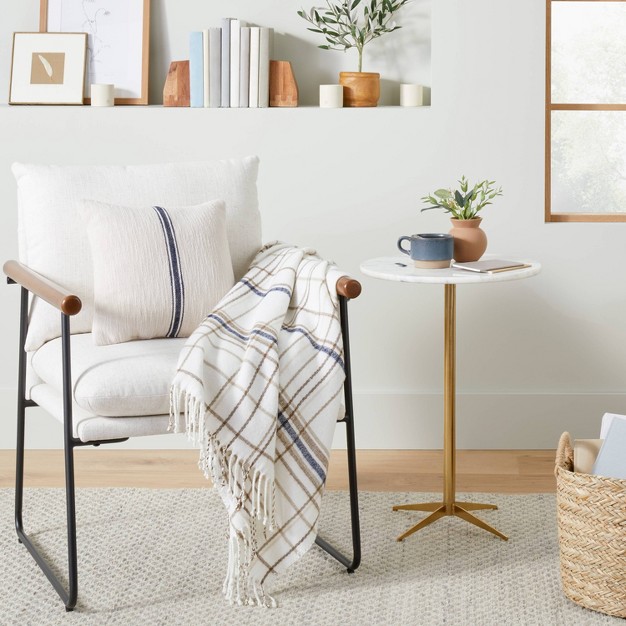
[(259, 387)]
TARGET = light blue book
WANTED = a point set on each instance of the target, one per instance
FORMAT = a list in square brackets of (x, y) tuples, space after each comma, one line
[(611, 461), (196, 69)]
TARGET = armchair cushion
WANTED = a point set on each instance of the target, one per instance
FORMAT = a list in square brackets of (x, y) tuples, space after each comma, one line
[(53, 240), (124, 379), (158, 270)]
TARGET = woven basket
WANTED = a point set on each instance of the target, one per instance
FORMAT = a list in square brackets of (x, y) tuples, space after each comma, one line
[(591, 515)]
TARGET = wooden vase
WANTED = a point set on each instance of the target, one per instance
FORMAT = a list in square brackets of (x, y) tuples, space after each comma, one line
[(176, 88), (283, 86), (360, 89), (470, 241)]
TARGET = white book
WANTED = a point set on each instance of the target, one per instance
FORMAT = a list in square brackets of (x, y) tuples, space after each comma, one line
[(205, 65), (265, 53), (215, 70), (611, 461), (244, 67), (607, 420), (255, 39), (225, 74), (235, 60)]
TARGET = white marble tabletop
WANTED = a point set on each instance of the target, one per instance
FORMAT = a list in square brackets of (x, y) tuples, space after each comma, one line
[(401, 269)]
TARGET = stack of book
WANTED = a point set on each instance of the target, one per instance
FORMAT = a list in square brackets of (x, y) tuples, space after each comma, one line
[(611, 459), (605, 456), (229, 66)]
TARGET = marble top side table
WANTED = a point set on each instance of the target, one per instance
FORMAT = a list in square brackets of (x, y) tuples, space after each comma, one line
[(401, 269)]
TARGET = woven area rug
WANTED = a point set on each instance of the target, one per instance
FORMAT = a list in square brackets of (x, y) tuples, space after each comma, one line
[(159, 557)]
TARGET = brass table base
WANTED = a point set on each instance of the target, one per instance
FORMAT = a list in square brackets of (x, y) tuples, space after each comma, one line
[(438, 510), (449, 506)]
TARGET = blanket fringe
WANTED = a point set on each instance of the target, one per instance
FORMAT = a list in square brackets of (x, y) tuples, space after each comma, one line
[(245, 489), (239, 587)]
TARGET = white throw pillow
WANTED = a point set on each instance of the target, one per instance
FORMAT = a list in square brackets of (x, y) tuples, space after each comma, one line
[(53, 239), (158, 271)]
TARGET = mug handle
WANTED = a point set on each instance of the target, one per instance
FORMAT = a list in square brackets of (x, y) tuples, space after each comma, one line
[(400, 245)]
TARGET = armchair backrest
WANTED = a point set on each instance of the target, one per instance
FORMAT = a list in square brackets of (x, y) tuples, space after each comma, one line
[(53, 239)]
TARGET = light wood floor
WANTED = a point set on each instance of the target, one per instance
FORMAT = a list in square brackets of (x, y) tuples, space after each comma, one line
[(497, 471)]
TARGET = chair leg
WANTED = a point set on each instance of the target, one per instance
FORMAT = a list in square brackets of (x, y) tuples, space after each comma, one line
[(348, 420), (350, 564), (69, 596)]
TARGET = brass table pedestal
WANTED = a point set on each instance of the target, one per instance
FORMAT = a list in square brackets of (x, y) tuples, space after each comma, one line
[(449, 506)]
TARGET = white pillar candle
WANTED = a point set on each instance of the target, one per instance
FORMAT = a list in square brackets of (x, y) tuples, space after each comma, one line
[(102, 95), (411, 95), (331, 96)]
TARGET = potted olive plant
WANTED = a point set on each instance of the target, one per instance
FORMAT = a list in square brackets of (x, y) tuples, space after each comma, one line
[(464, 204), (344, 25)]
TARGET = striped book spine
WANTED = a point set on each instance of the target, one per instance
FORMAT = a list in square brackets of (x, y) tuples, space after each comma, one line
[(196, 70)]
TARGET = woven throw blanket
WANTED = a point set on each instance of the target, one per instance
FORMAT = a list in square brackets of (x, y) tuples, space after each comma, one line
[(259, 387)]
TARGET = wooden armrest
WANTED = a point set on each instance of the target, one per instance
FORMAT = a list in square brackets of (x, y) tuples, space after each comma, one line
[(348, 287), (47, 290)]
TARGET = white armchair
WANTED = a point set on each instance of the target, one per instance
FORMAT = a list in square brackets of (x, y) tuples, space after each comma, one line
[(108, 393)]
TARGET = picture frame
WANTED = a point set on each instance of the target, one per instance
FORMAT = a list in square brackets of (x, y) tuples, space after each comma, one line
[(48, 68), (118, 41)]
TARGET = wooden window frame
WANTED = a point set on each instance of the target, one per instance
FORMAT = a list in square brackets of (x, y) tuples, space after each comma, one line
[(568, 217)]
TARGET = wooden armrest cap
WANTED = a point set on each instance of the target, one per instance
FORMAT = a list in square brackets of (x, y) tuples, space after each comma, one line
[(348, 287), (71, 305)]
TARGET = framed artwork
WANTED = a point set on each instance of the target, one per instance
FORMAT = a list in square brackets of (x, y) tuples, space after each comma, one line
[(118, 40), (47, 68)]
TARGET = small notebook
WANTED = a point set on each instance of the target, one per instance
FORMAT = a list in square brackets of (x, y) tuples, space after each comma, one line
[(491, 266), (611, 461)]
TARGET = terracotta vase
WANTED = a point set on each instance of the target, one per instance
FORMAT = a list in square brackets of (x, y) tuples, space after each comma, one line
[(470, 241), (360, 89)]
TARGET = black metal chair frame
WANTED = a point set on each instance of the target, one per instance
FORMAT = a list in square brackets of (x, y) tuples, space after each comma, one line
[(70, 595)]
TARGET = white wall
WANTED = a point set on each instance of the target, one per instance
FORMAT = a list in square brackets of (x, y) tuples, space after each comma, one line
[(535, 357)]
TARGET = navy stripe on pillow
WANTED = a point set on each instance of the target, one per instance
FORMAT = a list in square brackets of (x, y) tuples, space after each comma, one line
[(176, 275)]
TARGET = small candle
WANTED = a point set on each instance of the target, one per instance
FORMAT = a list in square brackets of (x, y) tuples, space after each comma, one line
[(331, 96), (102, 95), (411, 95)]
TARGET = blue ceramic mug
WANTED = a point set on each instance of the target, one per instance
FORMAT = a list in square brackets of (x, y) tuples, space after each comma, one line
[(429, 250)]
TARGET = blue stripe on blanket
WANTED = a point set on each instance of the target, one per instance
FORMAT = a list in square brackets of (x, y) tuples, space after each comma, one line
[(284, 423), (176, 275), (258, 292), (331, 353), (237, 334)]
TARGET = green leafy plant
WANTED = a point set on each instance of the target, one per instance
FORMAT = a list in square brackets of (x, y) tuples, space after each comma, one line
[(463, 203), (344, 26)]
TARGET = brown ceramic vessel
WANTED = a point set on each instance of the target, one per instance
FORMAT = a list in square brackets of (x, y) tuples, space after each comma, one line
[(470, 241)]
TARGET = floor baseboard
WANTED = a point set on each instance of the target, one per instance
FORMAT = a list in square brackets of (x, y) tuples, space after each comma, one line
[(496, 471)]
